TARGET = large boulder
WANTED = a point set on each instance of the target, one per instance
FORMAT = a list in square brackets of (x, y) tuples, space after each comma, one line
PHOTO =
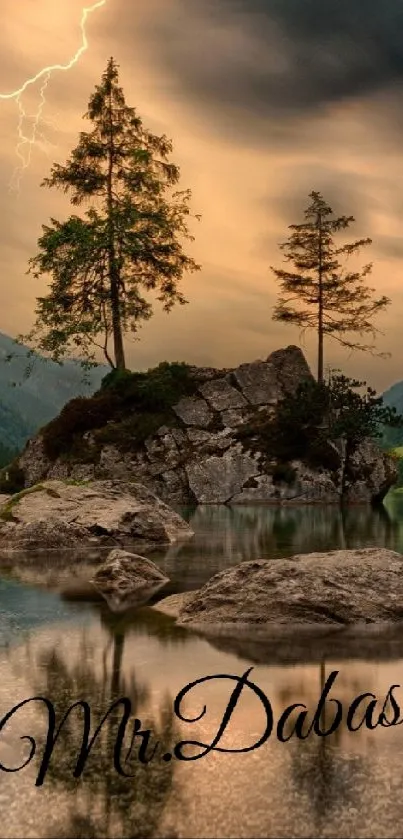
[(337, 588), (291, 367), (126, 580), (258, 382), (89, 513)]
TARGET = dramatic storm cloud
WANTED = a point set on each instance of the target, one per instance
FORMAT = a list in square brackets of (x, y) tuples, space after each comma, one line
[(265, 100), (284, 56)]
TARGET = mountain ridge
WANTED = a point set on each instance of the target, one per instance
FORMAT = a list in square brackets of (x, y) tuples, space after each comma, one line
[(27, 402)]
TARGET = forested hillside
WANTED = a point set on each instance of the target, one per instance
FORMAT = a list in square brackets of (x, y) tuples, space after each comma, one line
[(28, 402)]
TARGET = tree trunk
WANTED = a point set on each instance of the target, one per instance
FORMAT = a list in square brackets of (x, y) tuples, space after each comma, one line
[(119, 352), (320, 306), (320, 353)]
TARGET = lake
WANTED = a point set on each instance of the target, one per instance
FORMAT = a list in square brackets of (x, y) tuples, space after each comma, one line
[(344, 785)]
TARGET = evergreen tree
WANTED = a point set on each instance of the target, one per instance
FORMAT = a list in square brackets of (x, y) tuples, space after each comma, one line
[(319, 293), (129, 241)]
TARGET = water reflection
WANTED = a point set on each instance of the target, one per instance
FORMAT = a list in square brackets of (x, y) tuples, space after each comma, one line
[(104, 804), (336, 786), (284, 645), (227, 535), (341, 786)]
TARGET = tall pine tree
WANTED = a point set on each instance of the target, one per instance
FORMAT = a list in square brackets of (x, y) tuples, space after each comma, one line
[(129, 241), (319, 293)]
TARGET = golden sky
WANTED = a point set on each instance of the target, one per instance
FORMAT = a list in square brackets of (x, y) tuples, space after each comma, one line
[(265, 100)]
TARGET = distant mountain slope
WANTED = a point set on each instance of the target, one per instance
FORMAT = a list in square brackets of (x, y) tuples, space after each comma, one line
[(393, 398), (35, 400)]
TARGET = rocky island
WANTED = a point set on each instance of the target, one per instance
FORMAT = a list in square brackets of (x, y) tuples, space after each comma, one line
[(199, 436)]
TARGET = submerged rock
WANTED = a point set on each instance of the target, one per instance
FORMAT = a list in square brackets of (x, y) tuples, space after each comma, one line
[(126, 580), (335, 588), (58, 514)]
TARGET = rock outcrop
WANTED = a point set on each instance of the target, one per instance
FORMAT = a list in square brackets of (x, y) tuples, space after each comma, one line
[(338, 588), (198, 455), (57, 514), (370, 474), (127, 580)]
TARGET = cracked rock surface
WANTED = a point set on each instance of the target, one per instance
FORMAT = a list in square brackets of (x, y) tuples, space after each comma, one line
[(199, 458)]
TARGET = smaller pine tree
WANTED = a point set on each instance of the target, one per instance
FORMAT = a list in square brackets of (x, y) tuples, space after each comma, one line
[(319, 293)]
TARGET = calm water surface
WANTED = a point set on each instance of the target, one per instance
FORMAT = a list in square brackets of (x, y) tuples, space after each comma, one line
[(348, 785)]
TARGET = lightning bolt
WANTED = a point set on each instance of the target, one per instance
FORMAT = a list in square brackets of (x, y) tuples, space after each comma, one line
[(28, 139)]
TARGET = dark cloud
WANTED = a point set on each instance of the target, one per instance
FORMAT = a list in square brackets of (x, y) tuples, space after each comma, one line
[(276, 58), (344, 191)]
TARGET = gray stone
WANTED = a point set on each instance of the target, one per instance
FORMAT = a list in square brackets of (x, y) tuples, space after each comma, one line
[(193, 411), (261, 489), (313, 486), (163, 451), (126, 580), (163, 430), (213, 441), (308, 487), (179, 436), (337, 588), (121, 466), (221, 396), (173, 603), (34, 462), (291, 368), (371, 474), (258, 382), (215, 480), (49, 533), (197, 436), (100, 512), (217, 442), (206, 374), (235, 417), (175, 487)]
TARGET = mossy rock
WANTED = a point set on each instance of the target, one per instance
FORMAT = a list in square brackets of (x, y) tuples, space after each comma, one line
[(6, 512), (131, 433), (157, 389), (127, 409)]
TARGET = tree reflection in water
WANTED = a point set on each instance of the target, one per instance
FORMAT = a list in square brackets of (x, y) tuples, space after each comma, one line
[(104, 804), (322, 770), (227, 535)]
